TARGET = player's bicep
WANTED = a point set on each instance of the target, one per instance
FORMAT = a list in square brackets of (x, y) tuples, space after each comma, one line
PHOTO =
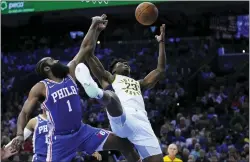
[(104, 77), (36, 93), (31, 124), (72, 66)]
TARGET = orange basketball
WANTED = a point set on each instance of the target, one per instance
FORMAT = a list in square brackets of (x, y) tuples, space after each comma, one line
[(146, 13)]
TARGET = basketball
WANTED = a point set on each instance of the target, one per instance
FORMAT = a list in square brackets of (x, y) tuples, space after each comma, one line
[(146, 13)]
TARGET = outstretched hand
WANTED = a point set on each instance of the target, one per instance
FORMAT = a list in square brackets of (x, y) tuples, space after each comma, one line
[(17, 143), (161, 37), (100, 22), (7, 152), (97, 156)]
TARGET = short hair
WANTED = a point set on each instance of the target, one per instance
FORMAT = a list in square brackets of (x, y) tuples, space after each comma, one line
[(40, 68), (114, 62)]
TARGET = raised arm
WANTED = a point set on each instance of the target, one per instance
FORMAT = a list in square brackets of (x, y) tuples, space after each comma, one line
[(154, 76), (36, 93), (88, 44), (104, 77)]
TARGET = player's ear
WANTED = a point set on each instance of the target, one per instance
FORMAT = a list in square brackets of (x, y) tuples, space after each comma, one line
[(46, 68)]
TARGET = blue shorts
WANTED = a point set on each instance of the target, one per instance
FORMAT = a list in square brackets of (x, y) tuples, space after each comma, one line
[(64, 147), (39, 158)]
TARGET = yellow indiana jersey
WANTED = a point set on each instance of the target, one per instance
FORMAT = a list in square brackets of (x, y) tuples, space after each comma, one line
[(167, 159)]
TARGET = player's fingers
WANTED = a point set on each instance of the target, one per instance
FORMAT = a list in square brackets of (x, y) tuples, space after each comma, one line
[(106, 23), (13, 144), (161, 29), (100, 157), (104, 16), (14, 152), (157, 37), (102, 21)]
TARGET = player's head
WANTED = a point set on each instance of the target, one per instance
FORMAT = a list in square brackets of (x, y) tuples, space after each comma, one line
[(119, 66), (172, 150), (48, 67)]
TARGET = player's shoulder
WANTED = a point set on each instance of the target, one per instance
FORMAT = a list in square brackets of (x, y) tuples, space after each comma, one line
[(38, 90), (34, 120), (117, 76), (32, 123), (39, 86)]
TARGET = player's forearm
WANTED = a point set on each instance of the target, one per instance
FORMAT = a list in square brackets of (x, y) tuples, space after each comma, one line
[(88, 45), (95, 64), (89, 39), (96, 35), (21, 122), (162, 57), (96, 67)]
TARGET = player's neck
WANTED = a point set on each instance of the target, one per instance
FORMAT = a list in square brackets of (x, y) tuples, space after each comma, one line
[(55, 79), (44, 116), (123, 74)]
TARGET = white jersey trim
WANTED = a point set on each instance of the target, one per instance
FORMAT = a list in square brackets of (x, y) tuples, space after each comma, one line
[(34, 135)]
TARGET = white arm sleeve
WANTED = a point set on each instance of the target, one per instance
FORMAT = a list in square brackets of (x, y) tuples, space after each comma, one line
[(26, 133)]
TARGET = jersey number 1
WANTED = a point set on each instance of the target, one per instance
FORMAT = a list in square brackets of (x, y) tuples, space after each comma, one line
[(69, 106)]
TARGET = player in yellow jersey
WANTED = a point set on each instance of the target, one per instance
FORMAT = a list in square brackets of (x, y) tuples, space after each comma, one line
[(172, 151)]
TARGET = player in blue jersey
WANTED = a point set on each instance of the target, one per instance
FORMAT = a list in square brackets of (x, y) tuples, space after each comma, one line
[(59, 95), (38, 126)]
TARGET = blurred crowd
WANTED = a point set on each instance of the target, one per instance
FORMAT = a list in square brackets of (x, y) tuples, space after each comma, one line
[(206, 117)]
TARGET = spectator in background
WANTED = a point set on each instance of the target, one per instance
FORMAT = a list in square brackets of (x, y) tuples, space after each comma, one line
[(185, 154), (172, 151), (178, 139), (237, 118), (196, 151), (214, 159), (191, 158), (190, 139), (203, 157), (213, 153), (245, 151), (207, 73)]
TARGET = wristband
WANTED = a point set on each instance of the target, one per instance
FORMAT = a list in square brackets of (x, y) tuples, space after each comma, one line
[(20, 135)]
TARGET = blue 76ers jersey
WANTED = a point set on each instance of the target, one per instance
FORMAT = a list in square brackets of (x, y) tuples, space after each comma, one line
[(40, 139), (62, 105)]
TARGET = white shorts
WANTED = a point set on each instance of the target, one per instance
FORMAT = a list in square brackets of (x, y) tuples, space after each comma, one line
[(137, 128)]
